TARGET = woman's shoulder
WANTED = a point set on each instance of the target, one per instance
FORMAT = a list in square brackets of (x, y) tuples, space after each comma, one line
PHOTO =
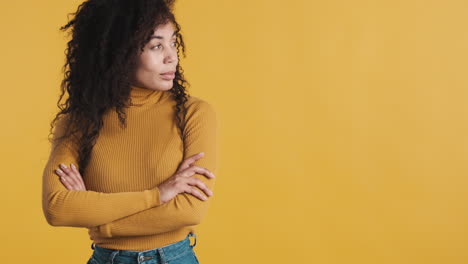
[(199, 109), (195, 103)]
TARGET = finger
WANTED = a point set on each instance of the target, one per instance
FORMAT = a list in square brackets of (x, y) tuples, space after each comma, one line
[(60, 173), (186, 163), (74, 177), (77, 173), (67, 170), (66, 183), (63, 176), (66, 180), (201, 185), (196, 193), (201, 170), (71, 175)]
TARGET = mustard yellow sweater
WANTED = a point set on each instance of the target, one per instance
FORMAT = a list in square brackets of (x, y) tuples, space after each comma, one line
[(121, 207)]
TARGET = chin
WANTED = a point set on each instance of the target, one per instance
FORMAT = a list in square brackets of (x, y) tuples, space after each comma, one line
[(165, 86), (168, 87)]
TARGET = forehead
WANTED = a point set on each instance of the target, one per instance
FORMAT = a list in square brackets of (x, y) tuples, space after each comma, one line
[(164, 29)]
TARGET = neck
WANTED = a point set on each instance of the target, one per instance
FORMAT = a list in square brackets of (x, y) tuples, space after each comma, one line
[(142, 96)]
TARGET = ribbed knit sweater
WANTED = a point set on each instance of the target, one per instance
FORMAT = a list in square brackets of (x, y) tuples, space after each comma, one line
[(121, 206)]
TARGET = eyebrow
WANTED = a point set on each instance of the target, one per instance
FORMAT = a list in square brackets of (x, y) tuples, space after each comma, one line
[(161, 37)]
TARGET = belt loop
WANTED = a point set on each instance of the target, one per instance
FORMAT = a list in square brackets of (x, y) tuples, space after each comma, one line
[(195, 237), (162, 256)]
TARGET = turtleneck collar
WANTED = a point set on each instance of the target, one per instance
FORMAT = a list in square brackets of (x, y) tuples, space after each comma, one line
[(141, 96)]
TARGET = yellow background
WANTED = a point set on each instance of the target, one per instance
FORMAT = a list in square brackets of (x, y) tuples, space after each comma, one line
[(344, 129)]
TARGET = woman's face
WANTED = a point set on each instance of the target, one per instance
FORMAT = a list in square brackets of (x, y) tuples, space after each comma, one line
[(159, 56)]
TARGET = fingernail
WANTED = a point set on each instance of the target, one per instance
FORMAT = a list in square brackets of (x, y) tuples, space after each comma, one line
[(58, 170), (73, 166), (63, 166)]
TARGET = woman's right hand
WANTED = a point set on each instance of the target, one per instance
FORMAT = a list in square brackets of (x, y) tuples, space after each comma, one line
[(182, 181)]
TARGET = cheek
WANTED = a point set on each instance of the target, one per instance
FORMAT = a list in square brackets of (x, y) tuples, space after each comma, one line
[(151, 62)]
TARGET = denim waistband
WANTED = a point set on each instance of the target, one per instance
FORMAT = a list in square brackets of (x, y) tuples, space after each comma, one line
[(167, 252)]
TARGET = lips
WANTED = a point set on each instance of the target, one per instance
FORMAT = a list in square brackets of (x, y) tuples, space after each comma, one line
[(169, 73)]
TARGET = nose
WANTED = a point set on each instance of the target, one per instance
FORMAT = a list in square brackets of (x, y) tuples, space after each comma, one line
[(171, 56)]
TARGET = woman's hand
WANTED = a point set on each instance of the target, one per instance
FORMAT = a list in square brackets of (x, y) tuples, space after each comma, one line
[(182, 181), (71, 177)]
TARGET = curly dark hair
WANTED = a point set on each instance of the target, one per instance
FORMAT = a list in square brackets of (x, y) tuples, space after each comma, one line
[(107, 36)]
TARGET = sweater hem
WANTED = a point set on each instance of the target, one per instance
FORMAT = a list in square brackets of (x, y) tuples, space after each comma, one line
[(141, 243)]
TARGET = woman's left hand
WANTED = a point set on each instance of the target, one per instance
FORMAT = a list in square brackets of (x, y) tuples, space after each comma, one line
[(71, 177)]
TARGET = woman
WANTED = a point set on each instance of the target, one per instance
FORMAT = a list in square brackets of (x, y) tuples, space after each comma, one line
[(133, 156)]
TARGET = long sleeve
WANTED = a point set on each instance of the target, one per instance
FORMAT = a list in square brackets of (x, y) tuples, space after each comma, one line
[(63, 207), (184, 209)]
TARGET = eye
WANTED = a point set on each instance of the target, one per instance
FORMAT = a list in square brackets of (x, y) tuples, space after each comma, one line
[(155, 46)]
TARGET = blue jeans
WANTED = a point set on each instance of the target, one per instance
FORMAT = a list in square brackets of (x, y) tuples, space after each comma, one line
[(180, 252)]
